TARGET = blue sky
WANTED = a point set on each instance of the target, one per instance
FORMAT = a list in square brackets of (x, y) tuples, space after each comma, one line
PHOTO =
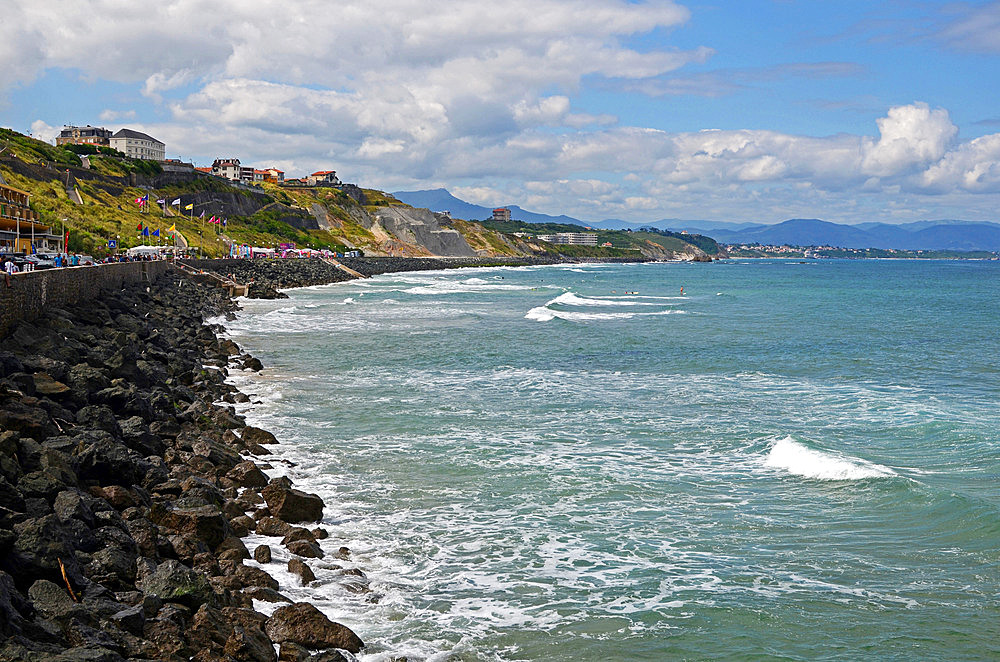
[(759, 110)]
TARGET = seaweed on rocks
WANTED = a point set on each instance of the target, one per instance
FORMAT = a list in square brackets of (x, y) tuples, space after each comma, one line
[(124, 494)]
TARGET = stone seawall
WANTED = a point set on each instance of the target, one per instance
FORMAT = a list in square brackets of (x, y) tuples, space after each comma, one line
[(28, 294)]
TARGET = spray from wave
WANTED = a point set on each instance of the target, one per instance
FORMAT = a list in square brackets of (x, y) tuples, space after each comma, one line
[(800, 460)]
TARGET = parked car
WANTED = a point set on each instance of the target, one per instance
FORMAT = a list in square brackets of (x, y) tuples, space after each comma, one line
[(22, 261), (46, 260)]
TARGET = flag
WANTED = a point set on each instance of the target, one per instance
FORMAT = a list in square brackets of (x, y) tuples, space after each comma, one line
[(223, 222), (139, 228), (160, 201), (172, 228), (156, 232), (143, 200), (189, 207), (176, 202), (202, 213), (212, 220), (145, 232)]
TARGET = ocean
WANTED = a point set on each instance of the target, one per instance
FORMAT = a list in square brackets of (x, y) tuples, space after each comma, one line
[(790, 461)]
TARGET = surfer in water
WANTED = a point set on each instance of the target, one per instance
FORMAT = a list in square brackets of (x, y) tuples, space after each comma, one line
[(682, 290)]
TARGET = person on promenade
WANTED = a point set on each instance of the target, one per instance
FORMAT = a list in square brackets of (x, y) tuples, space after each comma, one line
[(10, 267), (75, 260)]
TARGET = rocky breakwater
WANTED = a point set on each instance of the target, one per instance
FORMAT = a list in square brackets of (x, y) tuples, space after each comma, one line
[(124, 494), (266, 276)]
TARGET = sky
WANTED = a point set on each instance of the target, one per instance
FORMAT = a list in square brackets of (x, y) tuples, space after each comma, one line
[(641, 110)]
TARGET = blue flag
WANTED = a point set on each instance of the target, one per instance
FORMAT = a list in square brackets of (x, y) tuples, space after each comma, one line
[(145, 232), (156, 232)]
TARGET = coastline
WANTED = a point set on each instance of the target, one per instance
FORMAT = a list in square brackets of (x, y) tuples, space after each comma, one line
[(138, 522)]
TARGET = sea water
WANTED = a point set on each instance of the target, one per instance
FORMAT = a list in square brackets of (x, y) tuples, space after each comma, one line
[(790, 460)]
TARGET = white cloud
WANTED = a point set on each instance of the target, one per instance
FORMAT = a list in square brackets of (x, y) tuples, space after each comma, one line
[(479, 95), (44, 132), (108, 115), (911, 136)]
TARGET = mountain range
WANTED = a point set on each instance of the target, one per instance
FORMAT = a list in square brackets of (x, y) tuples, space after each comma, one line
[(955, 235)]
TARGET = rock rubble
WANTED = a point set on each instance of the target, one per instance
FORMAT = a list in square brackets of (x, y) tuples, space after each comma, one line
[(124, 494)]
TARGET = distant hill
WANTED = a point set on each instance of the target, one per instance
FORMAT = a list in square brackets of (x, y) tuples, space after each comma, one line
[(924, 235), (441, 200), (921, 235)]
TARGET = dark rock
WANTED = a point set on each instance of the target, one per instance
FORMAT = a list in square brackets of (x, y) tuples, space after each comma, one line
[(257, 436), (46, 384), (13, 607), (251, 576), (242, 525), (131, 619), (272, 526), (262, 554), (247, 474), (206, 522), (41, 544), (265, 594), (291, 505), (52, 600), (305, 573), (99, 417), (305, 548), (304, 624), (175, 582)]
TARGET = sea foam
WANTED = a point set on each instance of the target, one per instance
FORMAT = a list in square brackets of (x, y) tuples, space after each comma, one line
[(799, 460)]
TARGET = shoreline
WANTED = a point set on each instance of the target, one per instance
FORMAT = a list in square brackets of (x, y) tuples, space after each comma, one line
[(128, 483)]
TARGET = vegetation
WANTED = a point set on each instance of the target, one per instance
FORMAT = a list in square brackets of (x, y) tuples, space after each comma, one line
[(624, 243)]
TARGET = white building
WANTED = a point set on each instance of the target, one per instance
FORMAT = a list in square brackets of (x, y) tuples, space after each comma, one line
[(228, 168), (138, 145), (581, 238)]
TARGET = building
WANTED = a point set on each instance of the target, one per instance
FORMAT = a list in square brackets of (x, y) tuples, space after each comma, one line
[(321, 177), (579, 238), (501, 214), (274, 175), (20, 229), (137, 145), (84, 135), (227, 168)]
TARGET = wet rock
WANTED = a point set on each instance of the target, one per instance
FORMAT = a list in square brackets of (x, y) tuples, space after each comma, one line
[(254, 435), (291, 505), (262, 554), (242, 525), (247, 474), (305, 573), (305, 548), (251, 576), (272, 526), (265, 594), (304, 624)]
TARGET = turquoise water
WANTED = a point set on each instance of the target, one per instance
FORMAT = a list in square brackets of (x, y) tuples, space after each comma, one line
[(791, 461)]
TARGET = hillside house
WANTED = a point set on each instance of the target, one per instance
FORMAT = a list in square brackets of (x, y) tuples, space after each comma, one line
[(501, 214), (323, 177), (84, 135), (227, 168), (137, 145), (274, 175)]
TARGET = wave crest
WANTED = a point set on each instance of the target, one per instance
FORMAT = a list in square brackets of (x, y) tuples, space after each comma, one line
[(800, 460)]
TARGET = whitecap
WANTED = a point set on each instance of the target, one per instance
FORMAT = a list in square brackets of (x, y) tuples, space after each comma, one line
[(800, 460)]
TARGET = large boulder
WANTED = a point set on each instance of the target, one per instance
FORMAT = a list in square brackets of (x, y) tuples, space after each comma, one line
[(174, 582), (291, 505), (207, 523), (303, 624)]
